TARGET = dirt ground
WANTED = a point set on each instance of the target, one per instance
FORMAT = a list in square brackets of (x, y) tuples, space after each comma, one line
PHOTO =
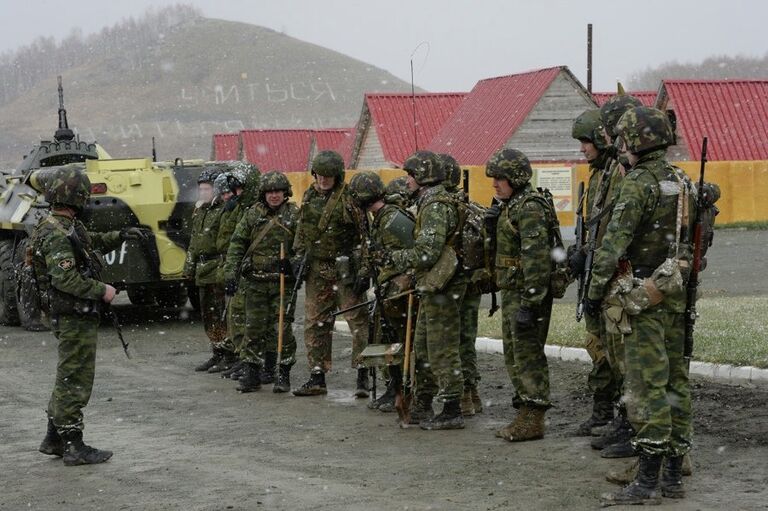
[(185, 440)]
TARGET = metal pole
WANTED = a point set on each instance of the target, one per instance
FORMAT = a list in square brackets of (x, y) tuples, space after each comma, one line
[(589, 58)]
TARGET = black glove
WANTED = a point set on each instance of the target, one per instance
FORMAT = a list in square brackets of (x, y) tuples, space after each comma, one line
[(492, 214), (134, 233), (525, 318), (379, 257), (285, 267), (361, 285), (592, 307), (230, 288), (576, 261)]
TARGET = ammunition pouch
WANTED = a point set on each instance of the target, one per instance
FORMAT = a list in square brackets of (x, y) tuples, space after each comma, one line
[(507, 271), (437, 278)]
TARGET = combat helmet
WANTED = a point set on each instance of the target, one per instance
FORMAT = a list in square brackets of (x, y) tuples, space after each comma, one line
[(614, 108), (365, 188), (330, 164), (425, 167), (452, 171), (645, 129), (272, 181), (69, 186), (510, 164), (225, 182), (209, 174), (589, 126)]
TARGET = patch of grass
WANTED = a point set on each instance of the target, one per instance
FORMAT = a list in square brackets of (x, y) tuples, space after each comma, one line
[(729, 330), (758, 225)]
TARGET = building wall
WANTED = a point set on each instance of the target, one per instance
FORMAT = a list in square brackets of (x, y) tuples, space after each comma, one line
[(371, 154), (546, 132)]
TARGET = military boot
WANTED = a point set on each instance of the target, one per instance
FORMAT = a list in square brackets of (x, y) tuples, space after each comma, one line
[(215, 359), (363, 386), (421, 409), (640, 491), (77, 453), (52, 443), (627, 475), (386, 402), (672, 478), (235, 367), (237, 373), (270, 362), (621, 449), (515, 425), (450, 418), (476, 401), (602, 414), (227, 360), (315, 386), (531, 427), (467, 406), (251, 379), (623, 429), (283, 383)]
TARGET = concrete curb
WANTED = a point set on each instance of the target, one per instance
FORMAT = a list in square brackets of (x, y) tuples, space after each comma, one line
[(721, 372)]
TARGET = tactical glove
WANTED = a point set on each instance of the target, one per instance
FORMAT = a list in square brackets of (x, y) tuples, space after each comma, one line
[(525, 318), (592, 307), (285, 267), (134, 233), (230, 288), (576, 261)]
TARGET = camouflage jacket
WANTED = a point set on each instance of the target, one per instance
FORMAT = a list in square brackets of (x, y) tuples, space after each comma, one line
[(523, 247), (383, 237), (231, 213), (61, 273), (341, 236), (269, 228), (436, 222), (643, 227), (203, 256)]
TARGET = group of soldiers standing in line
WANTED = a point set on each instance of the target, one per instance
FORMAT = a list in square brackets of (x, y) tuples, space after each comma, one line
[(408, 240)]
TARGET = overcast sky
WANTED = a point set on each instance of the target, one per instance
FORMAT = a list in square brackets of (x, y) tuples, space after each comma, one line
[(467, 40)]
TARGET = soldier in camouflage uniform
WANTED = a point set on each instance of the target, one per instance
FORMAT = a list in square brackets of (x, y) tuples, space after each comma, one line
[(523, 273), (391, 228), (396, 192), (654, 209), (62, 255), (441, 288), (202, 266), (253, 265), (237, 189), (469, 310), (329, 235)]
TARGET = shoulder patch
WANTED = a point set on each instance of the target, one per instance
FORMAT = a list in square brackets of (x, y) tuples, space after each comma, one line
[(66, 264)]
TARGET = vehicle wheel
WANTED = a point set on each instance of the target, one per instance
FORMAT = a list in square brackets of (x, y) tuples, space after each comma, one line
[(141, 295), (8, 312), (174, 295)]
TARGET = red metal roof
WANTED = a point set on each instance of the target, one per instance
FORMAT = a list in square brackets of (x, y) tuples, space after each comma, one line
[(490, 114), (290, 150), (647, 97), (392, 117), (226, 146), (732, 113)]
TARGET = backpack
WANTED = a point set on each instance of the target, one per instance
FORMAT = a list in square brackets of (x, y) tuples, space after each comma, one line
[(472, 235)]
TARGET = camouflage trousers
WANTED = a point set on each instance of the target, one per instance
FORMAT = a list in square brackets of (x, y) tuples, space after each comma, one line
[(524, 351), (323, 296), (75, 370), (236, 321), (211, 308), (438, 326), (657, 392), (607, 353), (470, 308), (262, 306)]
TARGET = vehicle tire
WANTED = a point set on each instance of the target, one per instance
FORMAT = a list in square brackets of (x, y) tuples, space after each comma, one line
[(141, 295), (172, 295), (8, 312)]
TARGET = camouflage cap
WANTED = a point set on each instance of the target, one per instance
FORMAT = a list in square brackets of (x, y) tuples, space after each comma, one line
[(644, 129), (69, 186), (328, 163), (425, 167), (273, 181), (589, 126), (510, 164), (365, 188), (614, 108), (452, 171)]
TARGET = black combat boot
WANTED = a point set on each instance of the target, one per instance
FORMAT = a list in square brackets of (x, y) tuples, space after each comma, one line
[(315, 386), (251, 379), (602, 414), (621, 449), (450, 418), (386, 402), (77, 453), (268, 374), (215, 359), (227, 360), (643, 489), (421, 409), (672, 478), (52, 443), (283, 383), (363, 386), (235, 367), (623, 430)]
